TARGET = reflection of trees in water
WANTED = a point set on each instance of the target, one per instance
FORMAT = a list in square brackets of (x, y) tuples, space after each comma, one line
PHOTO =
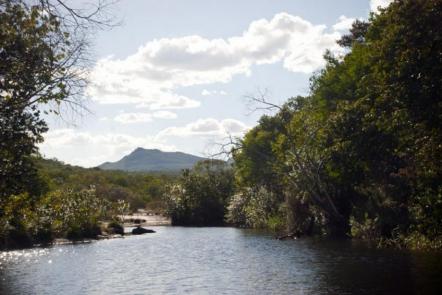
[(427, 272), (346, 267), (316, 266)]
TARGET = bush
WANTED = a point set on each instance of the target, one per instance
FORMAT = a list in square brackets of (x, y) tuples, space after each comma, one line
[(256, 208), (18, 238), (62, 213), (201, 195)]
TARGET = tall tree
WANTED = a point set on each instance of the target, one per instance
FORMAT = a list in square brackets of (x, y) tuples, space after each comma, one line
[(43, 65), (43, 60)]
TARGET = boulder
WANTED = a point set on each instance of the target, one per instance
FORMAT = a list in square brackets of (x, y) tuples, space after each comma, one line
[(141, 230), (115, 228)]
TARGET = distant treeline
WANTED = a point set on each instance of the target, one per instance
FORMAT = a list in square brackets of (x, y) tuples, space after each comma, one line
[(360, 156), (138, 189), (71, 202)]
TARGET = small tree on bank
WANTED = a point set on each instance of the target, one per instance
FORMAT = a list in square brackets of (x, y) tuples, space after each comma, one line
[(201, 195)]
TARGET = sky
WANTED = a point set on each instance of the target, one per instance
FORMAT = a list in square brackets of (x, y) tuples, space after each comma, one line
[(175, 75)]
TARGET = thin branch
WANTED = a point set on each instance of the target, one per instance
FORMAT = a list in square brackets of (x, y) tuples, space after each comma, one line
[(227, 148), (260, 101)]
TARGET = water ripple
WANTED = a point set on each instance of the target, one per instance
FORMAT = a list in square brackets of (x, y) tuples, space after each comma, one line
[(178, 260)]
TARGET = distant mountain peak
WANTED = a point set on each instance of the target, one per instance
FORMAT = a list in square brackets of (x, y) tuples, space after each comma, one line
[(153, 160), (140, 149)]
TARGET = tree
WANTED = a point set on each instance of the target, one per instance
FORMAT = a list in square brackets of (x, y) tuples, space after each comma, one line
[(201, 195), (19, 134), (357, 34), (43, 59), (361, 154)]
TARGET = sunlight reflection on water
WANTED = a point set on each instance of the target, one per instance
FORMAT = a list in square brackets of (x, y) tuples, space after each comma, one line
[(27, 255)]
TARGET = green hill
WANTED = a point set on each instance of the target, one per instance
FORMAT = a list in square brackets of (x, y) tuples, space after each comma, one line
[(151, 160)]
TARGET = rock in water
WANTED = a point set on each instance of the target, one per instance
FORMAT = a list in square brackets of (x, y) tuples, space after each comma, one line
[(141, 230)]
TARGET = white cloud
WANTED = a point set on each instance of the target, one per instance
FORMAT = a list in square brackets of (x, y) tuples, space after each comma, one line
[(234, 127), (169, 101), (344, 23), (88, 149), (164, 115), (108, 86), (374, 4), (151, 76), (129, 118), (207, 127), (206, 92)]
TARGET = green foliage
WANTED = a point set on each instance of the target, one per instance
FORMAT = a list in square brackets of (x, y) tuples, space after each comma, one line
[(256, 163), (255, 208), (74, 202), (200, 196), (251, 208), (59, 214), (74, 214), (139, 190), (37, 62), (26, 60), (34, 61), (19, 134), (361, 155), (42, 47), (16, 222)]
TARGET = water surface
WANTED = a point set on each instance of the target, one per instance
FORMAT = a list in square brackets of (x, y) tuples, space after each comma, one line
[(178, 260)]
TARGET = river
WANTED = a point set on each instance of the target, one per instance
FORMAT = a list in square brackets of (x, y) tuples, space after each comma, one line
[(185, 260)]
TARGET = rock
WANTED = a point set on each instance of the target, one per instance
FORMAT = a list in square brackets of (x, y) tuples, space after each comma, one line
[(115, 228), (141, 230), (294, 235)]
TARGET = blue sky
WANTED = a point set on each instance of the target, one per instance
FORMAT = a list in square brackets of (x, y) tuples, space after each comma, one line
[(175, 74)]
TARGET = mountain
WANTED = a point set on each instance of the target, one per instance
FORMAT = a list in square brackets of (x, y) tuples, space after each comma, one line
[(148, 160)]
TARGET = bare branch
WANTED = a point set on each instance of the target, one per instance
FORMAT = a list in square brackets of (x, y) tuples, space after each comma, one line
[(260, 102), (225, 149), (70, 40), (92, 14)]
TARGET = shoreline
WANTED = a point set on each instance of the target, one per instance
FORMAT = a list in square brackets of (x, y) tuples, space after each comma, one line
[(64, 241)]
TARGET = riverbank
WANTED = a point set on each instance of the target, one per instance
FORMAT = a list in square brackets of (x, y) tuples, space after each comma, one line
[(62, 241), (106, 230), (145, 220)]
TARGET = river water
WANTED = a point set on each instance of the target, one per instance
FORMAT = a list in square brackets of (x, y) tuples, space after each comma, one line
[(179, 260)]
